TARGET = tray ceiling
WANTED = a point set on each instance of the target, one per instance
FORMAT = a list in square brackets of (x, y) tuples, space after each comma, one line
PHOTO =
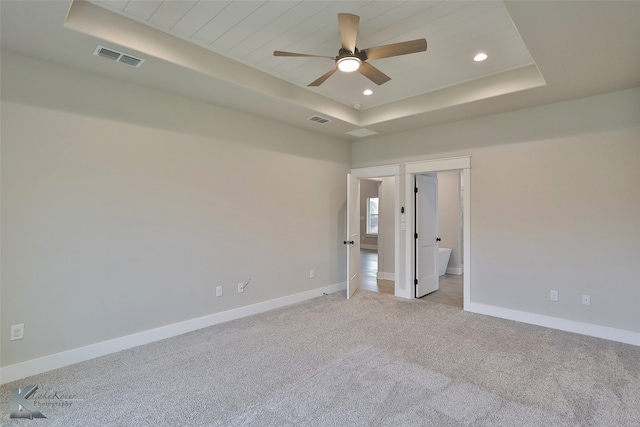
[(221, 53), (249, 32)]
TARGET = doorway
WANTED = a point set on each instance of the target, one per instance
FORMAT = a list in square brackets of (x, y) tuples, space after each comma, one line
[(377, 196), (369, 280), (403, 218), (450, 291), (439, 241), (461, 166)]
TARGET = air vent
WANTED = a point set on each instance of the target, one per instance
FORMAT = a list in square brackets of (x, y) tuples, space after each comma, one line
[(118, 56), (318, 119)]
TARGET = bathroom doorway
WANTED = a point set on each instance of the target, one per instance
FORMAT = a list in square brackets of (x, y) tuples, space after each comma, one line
[(449, 233)]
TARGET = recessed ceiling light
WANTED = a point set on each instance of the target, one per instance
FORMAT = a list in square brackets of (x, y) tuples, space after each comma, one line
[(367, 92), (480, 57)]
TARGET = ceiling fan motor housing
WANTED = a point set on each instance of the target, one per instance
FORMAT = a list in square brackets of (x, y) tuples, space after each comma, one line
[(360, 54)]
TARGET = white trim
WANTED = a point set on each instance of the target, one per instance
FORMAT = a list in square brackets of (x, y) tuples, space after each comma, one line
[(438, 165), (598, 331), (409, 271), (54, 361), (454, 270), (370, 247), (466, 238), (376, 171), (428, 166), (388, 276), (379, 172), (381, 275), (398, 237)]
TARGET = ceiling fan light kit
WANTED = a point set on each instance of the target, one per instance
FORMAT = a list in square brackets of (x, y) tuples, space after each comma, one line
[(351, 59), (348, 64)]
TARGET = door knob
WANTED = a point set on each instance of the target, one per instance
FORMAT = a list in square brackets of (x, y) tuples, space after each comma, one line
[(348, 242), (437, 239)]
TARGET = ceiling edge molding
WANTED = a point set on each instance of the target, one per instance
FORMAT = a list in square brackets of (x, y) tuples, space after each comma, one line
[(511, 81), (98, 22)]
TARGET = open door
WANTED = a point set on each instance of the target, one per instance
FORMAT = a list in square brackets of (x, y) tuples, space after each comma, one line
[(426, 242), (353, 235)]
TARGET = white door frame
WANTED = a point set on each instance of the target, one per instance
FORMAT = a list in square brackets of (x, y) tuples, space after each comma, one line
[(353, 235), (380, 172), (462, 163), (404, 258)]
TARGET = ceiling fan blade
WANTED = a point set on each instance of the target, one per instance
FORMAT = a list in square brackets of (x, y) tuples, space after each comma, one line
[(348, 30), (396, 49), (321, 79), (373, 74), (281, 53)]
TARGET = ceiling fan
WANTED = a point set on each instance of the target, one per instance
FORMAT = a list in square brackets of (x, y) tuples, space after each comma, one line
[(351, 59)]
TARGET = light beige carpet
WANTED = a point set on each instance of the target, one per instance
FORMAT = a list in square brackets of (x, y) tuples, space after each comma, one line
[(374, 360)]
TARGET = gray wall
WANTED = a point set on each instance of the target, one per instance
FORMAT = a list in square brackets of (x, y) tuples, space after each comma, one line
[(123, 208), (555, 202)]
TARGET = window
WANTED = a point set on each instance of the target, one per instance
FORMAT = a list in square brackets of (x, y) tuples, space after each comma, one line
[(372, 216)]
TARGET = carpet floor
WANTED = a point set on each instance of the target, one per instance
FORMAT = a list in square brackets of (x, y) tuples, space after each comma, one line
[(374, 360)]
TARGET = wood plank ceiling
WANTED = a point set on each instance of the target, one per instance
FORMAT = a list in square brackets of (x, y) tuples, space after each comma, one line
[(249, 32)]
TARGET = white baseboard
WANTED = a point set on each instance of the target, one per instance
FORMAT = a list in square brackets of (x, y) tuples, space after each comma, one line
[(454, 270), (54, 361), (598, 331), (386, 276), (371, 247)]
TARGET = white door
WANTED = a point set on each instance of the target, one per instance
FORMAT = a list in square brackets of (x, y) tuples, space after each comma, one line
[(427, 279), (353, 235)]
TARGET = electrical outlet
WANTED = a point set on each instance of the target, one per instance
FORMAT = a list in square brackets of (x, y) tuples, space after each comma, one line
[(312, 274), (17, 332), (586, 300), (553, 295), (240, 288), (218, 291)]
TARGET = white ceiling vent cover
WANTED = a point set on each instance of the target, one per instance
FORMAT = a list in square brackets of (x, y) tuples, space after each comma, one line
[(318, 119), (362, 132), (118, 56)]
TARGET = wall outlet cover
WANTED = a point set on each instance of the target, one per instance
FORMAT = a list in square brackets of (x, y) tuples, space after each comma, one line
[(17, 332)]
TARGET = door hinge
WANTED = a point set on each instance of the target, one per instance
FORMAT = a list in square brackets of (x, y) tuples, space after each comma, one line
[(416, 189), (416, 236), (415, 282)]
